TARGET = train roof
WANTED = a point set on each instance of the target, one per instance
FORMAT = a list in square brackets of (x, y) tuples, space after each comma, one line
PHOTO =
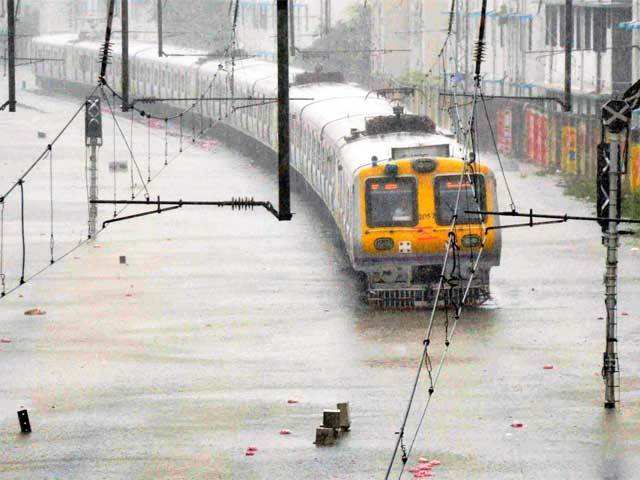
[(333, 111)]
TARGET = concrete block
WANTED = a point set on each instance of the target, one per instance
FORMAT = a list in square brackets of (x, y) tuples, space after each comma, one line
[(325, 436), (345, 418), (331, 419)]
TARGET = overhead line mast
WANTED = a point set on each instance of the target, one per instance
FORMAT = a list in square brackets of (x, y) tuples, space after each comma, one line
[(11, 52)]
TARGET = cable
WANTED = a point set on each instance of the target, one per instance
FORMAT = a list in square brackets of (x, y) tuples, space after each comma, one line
[(131, 166), (166, 140), (51, 240), (115, 162), (133, 159), (495, 146), (2, 275), (46, 150), (24, 250), (149, 150)]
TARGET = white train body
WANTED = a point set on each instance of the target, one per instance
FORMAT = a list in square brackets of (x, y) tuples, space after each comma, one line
[(323, 150)]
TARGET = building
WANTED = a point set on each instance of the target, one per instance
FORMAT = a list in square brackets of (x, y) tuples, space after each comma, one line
[(406, 36)]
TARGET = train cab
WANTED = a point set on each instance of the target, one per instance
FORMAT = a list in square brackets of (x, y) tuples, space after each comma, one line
[(407, 208)]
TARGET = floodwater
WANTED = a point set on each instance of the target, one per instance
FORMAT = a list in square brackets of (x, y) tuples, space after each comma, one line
[(171, 365)]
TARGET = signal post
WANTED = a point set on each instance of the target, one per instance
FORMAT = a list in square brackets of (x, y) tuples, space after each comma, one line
[(615, 115), (93, 140)]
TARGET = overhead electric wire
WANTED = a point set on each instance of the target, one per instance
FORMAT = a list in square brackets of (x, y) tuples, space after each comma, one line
[(131, 154), (451, 251), (20, 182), (46, 150)]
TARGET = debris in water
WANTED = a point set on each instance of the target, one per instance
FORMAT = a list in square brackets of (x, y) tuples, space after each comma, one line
[(548, 367), (35, 311), (249, 453), (284, 431), (624, 314), (252, 449), (423, 474), (291, 401), (517, 425), (5, 340)]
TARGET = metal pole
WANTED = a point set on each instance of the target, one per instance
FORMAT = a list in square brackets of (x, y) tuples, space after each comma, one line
[(284, 149), (107, 41), (159, 13), (610, 369), (93, 187), (568, 46), (466, 44), (598, 72), (292, 27), (125, 55), (11, 45)]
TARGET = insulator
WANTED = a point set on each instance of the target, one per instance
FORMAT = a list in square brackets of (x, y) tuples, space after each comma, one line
[(479, 51)]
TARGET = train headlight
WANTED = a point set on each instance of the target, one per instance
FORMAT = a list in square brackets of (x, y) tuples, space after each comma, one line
[(470, 241), (424, 165), (383, 243)]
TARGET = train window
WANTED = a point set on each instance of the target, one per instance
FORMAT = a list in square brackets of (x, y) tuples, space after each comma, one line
[(391, 202), (446, 191)]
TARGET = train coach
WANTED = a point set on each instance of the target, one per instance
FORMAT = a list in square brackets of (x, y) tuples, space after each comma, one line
[(391, 181)]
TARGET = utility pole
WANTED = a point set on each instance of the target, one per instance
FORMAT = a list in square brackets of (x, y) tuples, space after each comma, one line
[(466, 45), (326, 16), (125, 55), (11, 52), (615, 118), (568, 47), (284, 148), (610, 361), (160, 35), (292, 27)]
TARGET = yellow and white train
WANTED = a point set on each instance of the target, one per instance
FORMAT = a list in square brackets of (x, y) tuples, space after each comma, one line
[(390, 180)]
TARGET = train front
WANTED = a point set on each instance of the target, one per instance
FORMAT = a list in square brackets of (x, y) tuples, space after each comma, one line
[(407, 208)]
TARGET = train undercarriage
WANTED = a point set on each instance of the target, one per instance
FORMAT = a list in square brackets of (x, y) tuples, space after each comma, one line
[(419, 289)]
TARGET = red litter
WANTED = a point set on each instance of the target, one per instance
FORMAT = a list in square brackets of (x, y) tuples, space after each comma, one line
[(624, 314), (5, 340), (35, 311), (290, 401), (249, 453), (548, 367), (252, 449), (284, 431), (517, 425), (423, 474)]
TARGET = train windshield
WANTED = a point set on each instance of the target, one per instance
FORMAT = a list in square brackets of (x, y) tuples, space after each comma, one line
[(472, 197), (391, 202)]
